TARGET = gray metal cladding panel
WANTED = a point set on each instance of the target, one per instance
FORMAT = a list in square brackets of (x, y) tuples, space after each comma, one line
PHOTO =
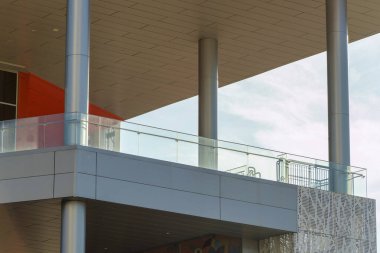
[(159, 198), (260, 192), (74, 185), (25, 189), (259, 215), (149, 183), (75, 160), (158, 173), (239, 189), (64, 185), (26, 165)]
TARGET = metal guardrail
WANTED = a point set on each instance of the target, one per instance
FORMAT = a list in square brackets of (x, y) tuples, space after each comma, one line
[(302, 174), (151, 142), (310, 175), (245, 170)]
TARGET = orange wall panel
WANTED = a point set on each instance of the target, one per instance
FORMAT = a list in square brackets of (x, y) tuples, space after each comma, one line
[(37, 97)]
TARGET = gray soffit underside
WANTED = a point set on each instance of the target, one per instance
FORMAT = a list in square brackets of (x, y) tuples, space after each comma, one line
[(31, 227), (144, 53)]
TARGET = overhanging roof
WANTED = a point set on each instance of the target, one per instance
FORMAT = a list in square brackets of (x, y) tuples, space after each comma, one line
[(29, 227), (144, 53)]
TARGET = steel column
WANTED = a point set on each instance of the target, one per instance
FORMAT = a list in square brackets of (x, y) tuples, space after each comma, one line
[(208, 102), (73, 228), (338, 98), (77, 69)]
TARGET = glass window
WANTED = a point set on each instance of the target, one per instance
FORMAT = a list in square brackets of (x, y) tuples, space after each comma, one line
[(7, 112), (8, 84)]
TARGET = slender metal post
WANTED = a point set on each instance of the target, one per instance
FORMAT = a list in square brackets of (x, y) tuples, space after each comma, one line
[(338, 98), (77, 70), (73, 230), (208, 94)]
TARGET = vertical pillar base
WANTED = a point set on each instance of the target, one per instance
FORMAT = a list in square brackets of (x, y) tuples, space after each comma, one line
[(208, 153), (73, 227)]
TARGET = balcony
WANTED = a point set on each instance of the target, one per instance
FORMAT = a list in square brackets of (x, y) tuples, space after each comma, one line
[(140, 140)]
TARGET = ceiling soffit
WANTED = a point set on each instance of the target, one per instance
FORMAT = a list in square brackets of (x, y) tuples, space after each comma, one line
[(144, 53)]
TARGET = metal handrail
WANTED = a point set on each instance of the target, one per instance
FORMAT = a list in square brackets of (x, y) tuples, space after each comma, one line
[(115, 125)]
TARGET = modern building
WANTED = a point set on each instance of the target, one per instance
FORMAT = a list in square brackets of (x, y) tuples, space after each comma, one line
[(75, 177)]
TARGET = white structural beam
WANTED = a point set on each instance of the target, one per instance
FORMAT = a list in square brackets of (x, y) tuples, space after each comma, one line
[(338, 98), (208, 101)]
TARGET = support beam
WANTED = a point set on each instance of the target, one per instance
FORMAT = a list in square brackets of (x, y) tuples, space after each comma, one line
[(77, 69), (338, 98), (208, 102), (73, 229)]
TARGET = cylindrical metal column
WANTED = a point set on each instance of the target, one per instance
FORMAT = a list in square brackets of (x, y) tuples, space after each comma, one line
[(338, 98), (208, 102), (77, 70), (208, 87), (73, 228)]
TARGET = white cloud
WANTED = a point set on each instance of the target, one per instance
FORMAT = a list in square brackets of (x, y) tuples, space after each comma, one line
[(283, 109)]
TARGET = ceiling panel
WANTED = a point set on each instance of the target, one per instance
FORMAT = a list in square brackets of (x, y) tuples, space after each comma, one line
[(147, 49)]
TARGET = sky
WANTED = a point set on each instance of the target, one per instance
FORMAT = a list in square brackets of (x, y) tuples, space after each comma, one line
[(285, 109)]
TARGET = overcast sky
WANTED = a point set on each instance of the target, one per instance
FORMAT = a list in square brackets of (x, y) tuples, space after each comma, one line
[(286, 109)]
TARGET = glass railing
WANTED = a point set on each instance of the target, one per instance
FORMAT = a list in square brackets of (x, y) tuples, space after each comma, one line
[(130, 138)]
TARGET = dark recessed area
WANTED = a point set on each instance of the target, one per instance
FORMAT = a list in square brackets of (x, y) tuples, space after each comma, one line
[(7, 112), (8, 87)]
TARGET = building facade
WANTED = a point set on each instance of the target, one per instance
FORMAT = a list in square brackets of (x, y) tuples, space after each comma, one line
[(75, 177)]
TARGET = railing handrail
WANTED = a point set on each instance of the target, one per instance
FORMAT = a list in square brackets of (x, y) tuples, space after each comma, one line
[(323, 166), (83, 119), (223, 141), (118, 125)]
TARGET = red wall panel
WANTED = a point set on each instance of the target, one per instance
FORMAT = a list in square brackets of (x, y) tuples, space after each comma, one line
[(37, 97)]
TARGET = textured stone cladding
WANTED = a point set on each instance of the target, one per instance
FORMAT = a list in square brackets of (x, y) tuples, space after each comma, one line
[(328, 222)]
